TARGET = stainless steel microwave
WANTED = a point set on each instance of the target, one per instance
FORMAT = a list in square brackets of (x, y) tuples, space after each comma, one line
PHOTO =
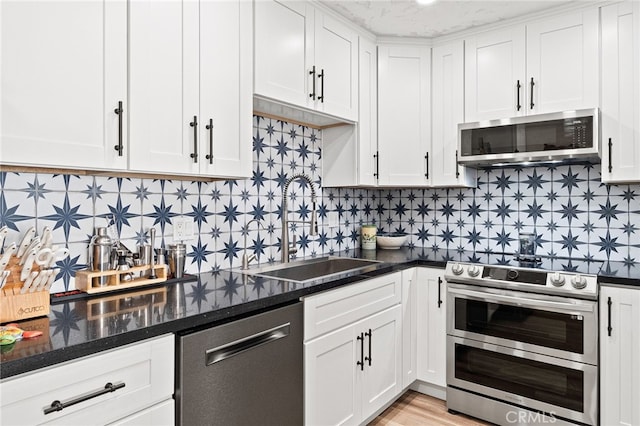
[(554, 137)]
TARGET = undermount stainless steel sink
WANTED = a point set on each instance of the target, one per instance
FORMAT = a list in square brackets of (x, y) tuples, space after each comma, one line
[(306, 270)]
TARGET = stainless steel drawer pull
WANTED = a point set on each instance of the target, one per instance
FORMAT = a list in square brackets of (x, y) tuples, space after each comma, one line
[(59, 406), (242, 345)]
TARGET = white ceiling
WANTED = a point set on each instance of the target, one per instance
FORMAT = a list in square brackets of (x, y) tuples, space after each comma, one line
[(406, 18)]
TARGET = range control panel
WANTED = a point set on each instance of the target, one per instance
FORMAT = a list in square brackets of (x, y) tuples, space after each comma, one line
[(526, 279)]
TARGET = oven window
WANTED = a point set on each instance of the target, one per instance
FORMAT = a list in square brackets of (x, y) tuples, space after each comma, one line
[(548, 383), (548, 329)]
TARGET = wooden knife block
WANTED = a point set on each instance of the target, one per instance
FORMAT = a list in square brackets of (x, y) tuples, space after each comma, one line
[(15, 306)]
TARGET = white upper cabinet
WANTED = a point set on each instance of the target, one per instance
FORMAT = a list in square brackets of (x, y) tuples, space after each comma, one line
[(336, 62), (404, 136), (562, 62), (189, 76), (127, 86), (447, 99), (226, 89), (163, 93), (306, 58), (344, 146), (283, 50), (494, 74), (620, 104), (63, 73), (546, 66)]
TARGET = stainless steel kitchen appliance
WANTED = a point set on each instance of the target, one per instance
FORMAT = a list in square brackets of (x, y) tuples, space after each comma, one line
[(567, 135), (522, 341), (245, 372)]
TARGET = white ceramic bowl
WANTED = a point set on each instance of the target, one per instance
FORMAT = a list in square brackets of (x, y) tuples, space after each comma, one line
[(391, 241)]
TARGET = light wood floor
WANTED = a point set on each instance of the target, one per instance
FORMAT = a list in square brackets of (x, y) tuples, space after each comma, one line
[(416, 409)]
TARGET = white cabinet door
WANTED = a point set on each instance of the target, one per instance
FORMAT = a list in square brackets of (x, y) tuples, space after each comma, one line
[(494, 74), (619, 355), (344, 146), (226, 32), (382, 376), (447, 98), (64, 71), (368, 113), (283, 50), (163, 85), (332, 393), (404, 114), (409, 327), (562, 63), (432, 332), (620, 107), (336, 60)]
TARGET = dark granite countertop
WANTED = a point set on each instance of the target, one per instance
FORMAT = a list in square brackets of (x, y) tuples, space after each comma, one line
[(84, 326)]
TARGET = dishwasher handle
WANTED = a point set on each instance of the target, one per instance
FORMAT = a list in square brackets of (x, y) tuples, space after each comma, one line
[(247, 343)]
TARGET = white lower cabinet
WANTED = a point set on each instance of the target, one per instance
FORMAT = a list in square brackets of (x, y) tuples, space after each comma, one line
[(409, 327), (353, 370), (432, 326), (619, 355), (142, 375)]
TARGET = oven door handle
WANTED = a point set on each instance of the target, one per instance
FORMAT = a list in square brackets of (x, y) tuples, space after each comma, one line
[(524, 302)]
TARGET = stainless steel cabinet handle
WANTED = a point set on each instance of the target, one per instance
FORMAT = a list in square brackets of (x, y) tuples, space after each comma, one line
[(209, 127), (609, 328), (457, 166), (313, 79), (119, 111), (368, 358), (610, 155), (321, 77), (518, 86), (531, 104), (439, 292), (361, 362), (59, 406), (194, 124)]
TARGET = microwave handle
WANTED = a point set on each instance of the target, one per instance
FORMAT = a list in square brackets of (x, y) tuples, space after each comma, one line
[(524, 302)]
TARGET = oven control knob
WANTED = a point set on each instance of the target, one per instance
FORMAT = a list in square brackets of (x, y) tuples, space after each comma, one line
[(456, 268), (473, 271), (578, 282), (557, 279)]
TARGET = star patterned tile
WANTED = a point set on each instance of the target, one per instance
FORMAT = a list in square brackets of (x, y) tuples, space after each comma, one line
[(572, 213)]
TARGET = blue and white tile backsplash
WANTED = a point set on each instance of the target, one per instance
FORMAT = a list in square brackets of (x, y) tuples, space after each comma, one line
[(572, 213)]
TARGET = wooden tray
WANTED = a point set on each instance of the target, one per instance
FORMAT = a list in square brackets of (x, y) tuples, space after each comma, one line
[(84, 279)]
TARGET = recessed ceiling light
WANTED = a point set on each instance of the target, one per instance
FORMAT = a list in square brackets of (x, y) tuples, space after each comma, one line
[(425, 2)]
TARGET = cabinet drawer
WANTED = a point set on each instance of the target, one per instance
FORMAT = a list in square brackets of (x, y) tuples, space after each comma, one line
[(162, 414), (146, 369), (333, 309)]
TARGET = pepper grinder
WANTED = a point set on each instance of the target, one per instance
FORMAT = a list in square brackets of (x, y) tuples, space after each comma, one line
[(152, 235)]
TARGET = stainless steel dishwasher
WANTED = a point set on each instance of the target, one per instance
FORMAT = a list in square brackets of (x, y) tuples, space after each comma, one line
[(246, 372)]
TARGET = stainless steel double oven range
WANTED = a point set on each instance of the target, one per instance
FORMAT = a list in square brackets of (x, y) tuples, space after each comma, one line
[(522, 341)]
